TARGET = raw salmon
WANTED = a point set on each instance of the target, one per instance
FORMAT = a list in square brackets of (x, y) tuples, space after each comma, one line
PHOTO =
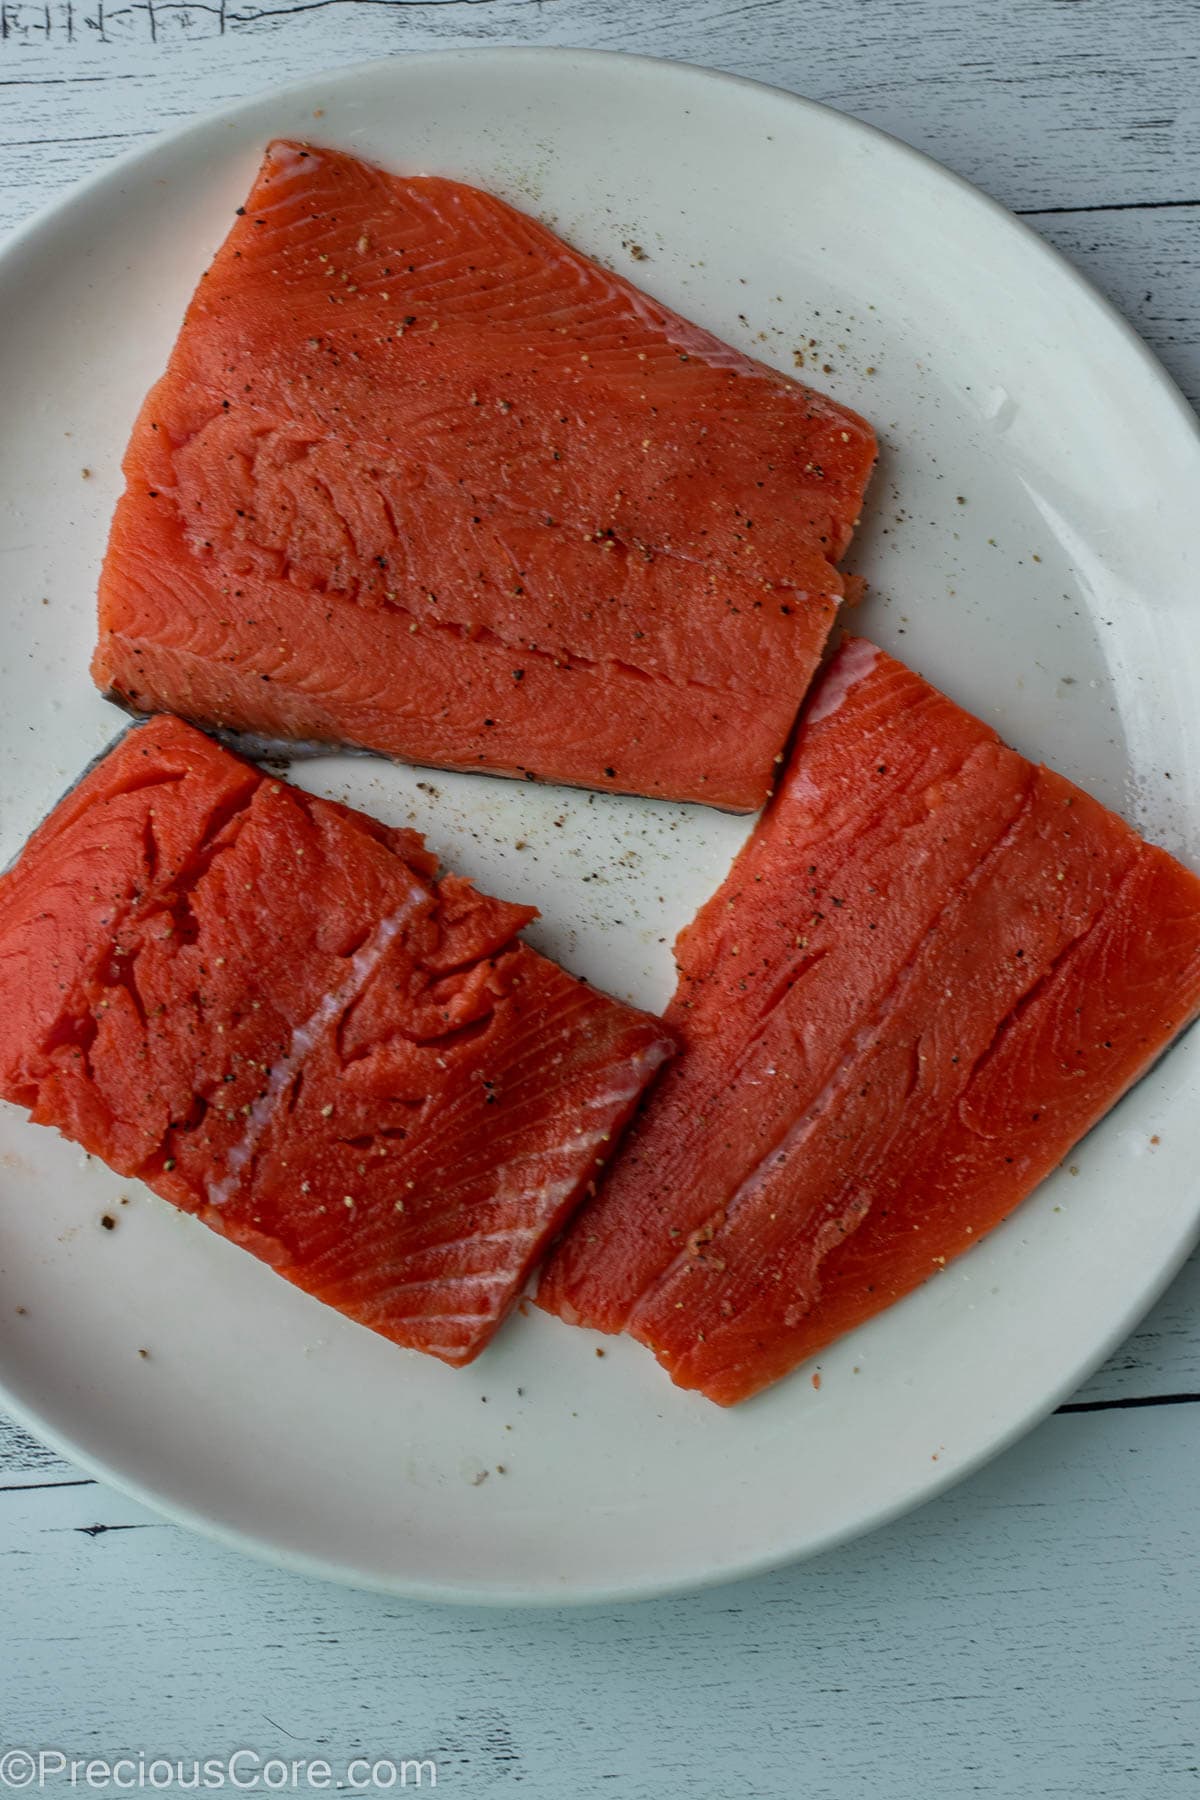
[(932, 968), (421, 478), (267, 1007)]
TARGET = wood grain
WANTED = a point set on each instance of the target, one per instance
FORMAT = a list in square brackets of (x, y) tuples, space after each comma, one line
[(1043, 104), (1032, 1633)]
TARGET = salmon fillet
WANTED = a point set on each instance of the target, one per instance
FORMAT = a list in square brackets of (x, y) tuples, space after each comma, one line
[(421, 478), (268, 1008), (931, 970)]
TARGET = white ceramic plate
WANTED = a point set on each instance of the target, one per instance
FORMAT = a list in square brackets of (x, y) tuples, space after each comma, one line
[(1057, 597)]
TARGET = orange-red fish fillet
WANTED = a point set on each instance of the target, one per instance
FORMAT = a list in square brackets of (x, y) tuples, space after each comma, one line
[(421, 478), (267, 1007), (933, 967)]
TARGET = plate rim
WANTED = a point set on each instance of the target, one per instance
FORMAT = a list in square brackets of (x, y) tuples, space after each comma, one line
[(497, 1595)]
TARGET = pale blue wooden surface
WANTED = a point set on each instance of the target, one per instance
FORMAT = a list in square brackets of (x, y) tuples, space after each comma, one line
[(1034, 1632)]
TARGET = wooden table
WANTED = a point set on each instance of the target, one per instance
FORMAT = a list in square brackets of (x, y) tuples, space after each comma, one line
[(1034, 1632)]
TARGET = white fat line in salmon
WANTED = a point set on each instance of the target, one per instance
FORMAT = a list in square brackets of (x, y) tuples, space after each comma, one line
[(524, 1178), (854, 663), (682, 334), (787, 1148), (614, 1100), (305, 1037)]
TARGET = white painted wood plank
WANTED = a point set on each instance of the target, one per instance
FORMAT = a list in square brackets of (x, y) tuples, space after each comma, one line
[(66, 107), (23, 1455), (1032, 1633), (1147, 261), (1163, 1355), (1043, 104)]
